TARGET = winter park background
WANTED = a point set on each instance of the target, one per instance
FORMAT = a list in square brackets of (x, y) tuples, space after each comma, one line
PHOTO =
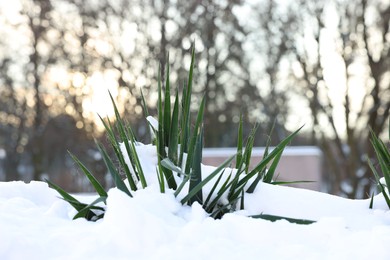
[(280, 64)]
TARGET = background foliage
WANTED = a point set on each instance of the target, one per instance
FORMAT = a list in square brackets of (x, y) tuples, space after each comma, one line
[(322, 63)]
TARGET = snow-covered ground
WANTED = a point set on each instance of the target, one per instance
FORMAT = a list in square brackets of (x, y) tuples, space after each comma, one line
[(36, 224)]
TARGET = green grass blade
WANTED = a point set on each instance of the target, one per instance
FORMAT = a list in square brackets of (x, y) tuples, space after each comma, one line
[(290, 182), (243, 166), (274, 218), (182, 184), (160, 177), (113, 171), (221, 191), (86, 211), (196, 174), (186, 111), (95, 183), (162, 134), (268, 158), (195, 134), (167, 163), (128, 140), (144, 106), (174, 132), (220, 210), (213, 190), (115, 145), (167, 106), (249, 147), (383, 156), (269, 175), (239, 143), (207, 179), (372, 201), (380, 185)]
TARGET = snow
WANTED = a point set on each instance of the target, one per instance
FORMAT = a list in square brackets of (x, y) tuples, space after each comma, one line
[(36, 224)]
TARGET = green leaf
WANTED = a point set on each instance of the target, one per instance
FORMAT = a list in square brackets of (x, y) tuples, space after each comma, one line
[(196, 174), (239, 143), (274, 218), (383, 155), (162, 135), (268, 158), (372, 201), (269, 175), (186, 111), (144, 106), (206, 180), (160, 177), (118, 152), (195, 135), (131, 151), (213, 190), (85, 212), (174, 132), (220, 192), (380, 185), (289, 182), (167, 106), (167, 163), (113, 171), (95, 183), (79, 206)]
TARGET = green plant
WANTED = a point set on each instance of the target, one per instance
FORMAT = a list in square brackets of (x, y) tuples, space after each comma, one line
[(383, 155), (179, 153)]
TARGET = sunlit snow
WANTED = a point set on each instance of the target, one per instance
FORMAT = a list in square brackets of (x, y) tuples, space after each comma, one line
[(36, 224)]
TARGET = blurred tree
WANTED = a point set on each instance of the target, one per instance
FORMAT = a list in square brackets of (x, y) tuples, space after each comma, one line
[(269, 45), (346, 73), (31, 95)]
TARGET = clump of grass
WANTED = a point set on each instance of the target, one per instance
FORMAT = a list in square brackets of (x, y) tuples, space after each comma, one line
[(179, 142), (383, 156)]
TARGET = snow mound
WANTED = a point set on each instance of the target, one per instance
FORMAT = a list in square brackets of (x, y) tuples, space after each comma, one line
[(36, 224)]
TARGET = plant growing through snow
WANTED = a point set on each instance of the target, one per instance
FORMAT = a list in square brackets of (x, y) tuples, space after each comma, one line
[(383, 155), (178, 155)]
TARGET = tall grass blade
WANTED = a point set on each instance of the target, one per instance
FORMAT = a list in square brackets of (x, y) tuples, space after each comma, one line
[(268, 158), (160, 177), (88, 214), (213, 190), (128, 139), (174, 132), (196, 174), (269, 175), (383, 155), (115, 145), (167, 107), (380, 185), (226, 185), (95, 183), (198, 187), (239, 143), (195, 134), (144, 106), (163, 131), (113, 171), (186, 111)]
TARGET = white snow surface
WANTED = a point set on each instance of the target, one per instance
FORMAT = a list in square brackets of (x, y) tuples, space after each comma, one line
[(36, 224)]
